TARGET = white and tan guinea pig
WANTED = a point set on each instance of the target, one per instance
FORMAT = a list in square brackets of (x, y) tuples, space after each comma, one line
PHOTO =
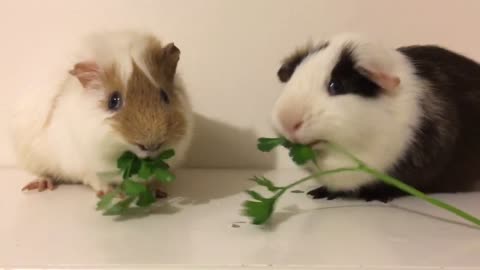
[(412, 112), (124, 94)]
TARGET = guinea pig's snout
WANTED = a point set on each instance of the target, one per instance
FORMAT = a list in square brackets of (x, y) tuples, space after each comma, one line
[(292, 126), (291, 123), (149, 147)]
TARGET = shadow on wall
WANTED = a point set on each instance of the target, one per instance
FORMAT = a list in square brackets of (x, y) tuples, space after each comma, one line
[(220, 145)]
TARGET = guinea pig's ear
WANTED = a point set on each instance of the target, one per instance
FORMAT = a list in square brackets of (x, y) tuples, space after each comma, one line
[(377, 64), (170, 58), (290, 63), (388, 82), (88, 74)]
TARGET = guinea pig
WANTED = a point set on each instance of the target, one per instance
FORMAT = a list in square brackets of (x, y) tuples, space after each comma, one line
[(123, 94), (412, 112)]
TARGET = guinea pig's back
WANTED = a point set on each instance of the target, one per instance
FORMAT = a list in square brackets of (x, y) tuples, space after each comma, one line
[(28, 127), (447, 142), (447, 72)]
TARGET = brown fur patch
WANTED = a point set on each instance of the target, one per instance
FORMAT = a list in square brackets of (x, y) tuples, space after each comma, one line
[(145, 117), (52, 109), (162, 61)]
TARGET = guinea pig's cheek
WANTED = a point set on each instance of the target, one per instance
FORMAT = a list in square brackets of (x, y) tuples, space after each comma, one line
[(277, 127), (313, 130), (175, 129), (127, 146)]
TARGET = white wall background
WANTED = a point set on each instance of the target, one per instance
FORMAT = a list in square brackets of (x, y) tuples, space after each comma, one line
[(230, 51)]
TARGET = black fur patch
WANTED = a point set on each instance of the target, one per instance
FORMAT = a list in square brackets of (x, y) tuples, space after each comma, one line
[(286, 70), (367, 193), (320, 47), (445, 155), (291, 63), (350, 79)]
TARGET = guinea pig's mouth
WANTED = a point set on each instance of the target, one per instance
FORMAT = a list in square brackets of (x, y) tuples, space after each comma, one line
[(317, 143), (141, 153)]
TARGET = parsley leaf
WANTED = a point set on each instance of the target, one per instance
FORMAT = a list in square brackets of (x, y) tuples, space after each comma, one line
[(163, 175), (146, 198), (132, 188), (146, 170), (268, 144), (125, 160), (132, 168), (262, 181), (167, 154), (107, 200), (259, 211), (302, 154), (136, 164), (255, 195), (158, 163), (120, 207), (261, 208)]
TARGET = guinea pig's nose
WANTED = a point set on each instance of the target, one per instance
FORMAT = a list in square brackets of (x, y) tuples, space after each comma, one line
[(291, 119), (149, 147), (292, 126), (297, 125)]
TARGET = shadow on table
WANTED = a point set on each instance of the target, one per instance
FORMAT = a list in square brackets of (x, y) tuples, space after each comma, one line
[(286, 213)]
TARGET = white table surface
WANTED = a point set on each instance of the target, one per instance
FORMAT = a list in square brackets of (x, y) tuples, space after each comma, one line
[(61, 229)]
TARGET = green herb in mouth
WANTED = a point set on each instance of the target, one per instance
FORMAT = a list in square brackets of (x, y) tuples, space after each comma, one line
[(259, 208), (135, 188)]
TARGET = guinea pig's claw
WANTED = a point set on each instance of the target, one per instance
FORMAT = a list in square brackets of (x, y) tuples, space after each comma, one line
[(40, 185), (102, 193), (320, 193), (160, 194)]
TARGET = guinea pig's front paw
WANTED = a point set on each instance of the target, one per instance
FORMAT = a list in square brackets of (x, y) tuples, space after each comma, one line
[(100, 188), (379, 192), (41, 184), (324, 193), (158, 190), (369, 195), (160, 194), (104, 190)]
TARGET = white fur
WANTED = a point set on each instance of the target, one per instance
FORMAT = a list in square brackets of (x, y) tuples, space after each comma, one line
[(79, 143), (377, 130), (119, 48)]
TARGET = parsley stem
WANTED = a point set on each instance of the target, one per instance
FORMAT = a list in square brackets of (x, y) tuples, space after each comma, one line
[(404, 187), (299, 157), (319, 174), (408, 189)]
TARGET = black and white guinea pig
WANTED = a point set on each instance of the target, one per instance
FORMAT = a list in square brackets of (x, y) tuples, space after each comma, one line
[(412, 112)]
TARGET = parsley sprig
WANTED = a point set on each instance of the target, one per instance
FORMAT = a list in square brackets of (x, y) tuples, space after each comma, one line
[(135, 188), (259, 208)]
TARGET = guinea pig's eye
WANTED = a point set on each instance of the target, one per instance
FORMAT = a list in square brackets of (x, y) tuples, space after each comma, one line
[(164, 96), (335, 87), (115, 101)]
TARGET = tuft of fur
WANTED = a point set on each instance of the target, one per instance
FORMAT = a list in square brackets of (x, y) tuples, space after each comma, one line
[(69, 134), (422, 130), (291, 62)]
